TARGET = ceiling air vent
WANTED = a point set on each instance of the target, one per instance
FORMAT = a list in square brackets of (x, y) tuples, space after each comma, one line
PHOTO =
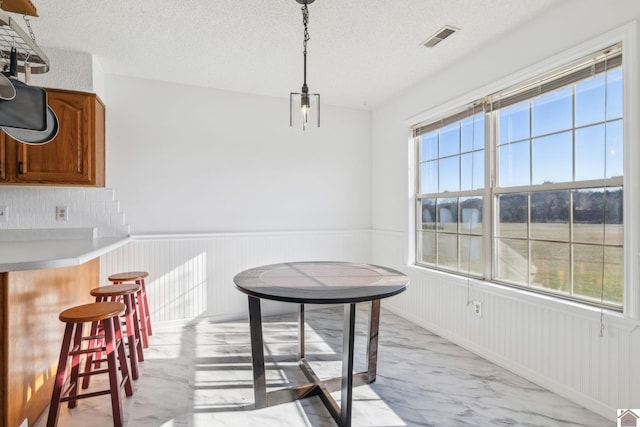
[(442, 34)]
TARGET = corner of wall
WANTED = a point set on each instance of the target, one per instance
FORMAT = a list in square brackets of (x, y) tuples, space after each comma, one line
[(98, 78)]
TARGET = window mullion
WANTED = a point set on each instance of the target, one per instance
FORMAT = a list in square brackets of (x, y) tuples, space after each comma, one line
[(488, 205)]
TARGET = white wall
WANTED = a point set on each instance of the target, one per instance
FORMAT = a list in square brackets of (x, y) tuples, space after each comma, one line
[(214, 182), (557, 345), (190, 159)]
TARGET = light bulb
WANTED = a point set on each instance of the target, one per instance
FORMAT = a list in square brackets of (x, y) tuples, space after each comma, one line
[(304, 110)]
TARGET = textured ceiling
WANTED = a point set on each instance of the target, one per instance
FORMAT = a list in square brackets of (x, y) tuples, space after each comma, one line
[(361, 52)]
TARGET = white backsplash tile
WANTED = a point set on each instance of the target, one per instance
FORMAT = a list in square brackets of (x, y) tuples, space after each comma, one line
[(34, 207)]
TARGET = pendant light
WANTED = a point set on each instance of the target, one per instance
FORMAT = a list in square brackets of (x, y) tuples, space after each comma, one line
[(304, 107)]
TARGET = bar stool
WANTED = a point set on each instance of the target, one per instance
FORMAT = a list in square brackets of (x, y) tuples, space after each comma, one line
[(75, 317), (126, 294), (145, 319)]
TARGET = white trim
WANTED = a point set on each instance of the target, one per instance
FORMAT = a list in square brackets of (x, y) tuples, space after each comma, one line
[(627, 34), (631, 178), (213, 235), (412, 241), (574, 308)]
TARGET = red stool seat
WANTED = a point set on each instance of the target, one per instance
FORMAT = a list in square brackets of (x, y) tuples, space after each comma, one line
[(143, 301), (108, 314)]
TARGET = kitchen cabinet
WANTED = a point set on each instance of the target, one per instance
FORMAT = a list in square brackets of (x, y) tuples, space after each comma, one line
[(74, 157)]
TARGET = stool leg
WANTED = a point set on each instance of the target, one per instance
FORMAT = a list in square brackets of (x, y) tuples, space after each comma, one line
[(136, 322), (131, 337), (75, 366), (122, 358), (142, 316), (145, 316), (54, 409), (110, 343)]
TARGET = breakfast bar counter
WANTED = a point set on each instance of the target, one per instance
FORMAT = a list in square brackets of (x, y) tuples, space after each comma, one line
[(39, 278), (21, 255)]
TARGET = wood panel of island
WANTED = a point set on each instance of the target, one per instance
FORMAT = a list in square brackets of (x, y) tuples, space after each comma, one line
[(32, 334)]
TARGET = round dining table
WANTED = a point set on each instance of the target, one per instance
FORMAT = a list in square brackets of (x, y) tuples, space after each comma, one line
[(319, 282)]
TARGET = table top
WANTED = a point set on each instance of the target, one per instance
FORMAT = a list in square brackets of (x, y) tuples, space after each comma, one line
[(321, 282)]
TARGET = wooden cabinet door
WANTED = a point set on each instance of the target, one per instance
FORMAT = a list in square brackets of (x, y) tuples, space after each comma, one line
[(76, 154), (3, 157)]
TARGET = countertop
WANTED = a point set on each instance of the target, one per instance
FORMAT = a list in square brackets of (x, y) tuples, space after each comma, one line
[(20, 255)]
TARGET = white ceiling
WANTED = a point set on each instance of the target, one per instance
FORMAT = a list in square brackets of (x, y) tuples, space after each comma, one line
[(361, 52)]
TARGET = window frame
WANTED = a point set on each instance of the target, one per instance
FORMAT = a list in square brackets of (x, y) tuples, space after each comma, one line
[(468, 113), (628, 306)]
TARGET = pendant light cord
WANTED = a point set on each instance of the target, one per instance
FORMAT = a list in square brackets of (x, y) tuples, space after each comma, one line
[(305, 22), (308, 104)]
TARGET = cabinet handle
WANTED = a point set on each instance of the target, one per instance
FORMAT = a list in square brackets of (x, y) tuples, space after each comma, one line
[(20, 168)]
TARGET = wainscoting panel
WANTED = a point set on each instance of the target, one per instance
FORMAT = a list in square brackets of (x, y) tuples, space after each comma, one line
[(192, 275), (555, 344)]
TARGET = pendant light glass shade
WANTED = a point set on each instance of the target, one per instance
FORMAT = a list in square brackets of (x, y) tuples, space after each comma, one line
[(304, 109)]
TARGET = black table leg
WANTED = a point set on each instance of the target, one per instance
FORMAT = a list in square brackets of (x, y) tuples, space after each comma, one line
[(300, 331), (372, 347), (257, 353), (341, 414), (347, 364)]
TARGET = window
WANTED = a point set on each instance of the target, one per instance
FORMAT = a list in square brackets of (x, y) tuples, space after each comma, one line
[(525, 187), (451, 187)]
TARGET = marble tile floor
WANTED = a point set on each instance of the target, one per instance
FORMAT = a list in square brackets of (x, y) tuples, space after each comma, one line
[(200, 375)]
